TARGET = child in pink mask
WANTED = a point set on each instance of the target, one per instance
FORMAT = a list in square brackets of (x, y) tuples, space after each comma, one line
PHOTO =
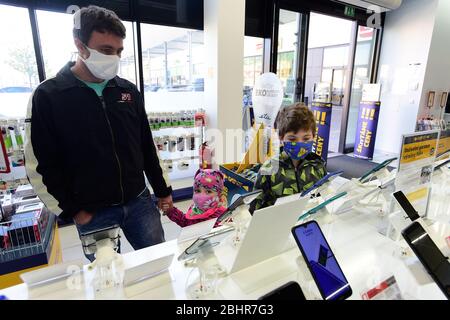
[(209, 200)]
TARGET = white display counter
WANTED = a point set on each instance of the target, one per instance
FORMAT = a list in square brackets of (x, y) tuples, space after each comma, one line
[(366, 257)]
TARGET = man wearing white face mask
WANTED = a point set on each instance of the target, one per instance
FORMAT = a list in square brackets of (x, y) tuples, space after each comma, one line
[(89, 142)]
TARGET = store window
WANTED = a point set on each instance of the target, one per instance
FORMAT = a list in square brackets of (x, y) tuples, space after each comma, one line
[(58, 46), (329, 44), (174, 72), (127, 68), (57, 43), (365, 48), (291, 31), (173, 68), (18, 70), (253, 65)]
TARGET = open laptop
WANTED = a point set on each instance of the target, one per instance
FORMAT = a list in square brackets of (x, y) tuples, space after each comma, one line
[(268, 235)]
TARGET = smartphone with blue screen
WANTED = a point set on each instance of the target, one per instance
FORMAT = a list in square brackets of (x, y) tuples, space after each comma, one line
[(321, 262)]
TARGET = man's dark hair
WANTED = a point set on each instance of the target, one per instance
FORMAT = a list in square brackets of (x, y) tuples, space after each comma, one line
[(94, 18), (294, 118)]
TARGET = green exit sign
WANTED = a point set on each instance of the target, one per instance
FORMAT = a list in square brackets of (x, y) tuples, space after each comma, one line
[(349, 11)]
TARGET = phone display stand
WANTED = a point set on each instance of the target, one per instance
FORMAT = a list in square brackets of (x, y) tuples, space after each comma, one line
[(107, 277), (381, 176), (314, 202), (384, 175), (54, 278), (378, 203), (323, 216), (239, 220), (324, 190), (305, 279), (439, 209), (419, 273), (356, 191), (393, 224), (203, 279)]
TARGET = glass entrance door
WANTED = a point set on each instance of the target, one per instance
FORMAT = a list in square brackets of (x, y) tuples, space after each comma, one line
[(312, 48), (329, 61), (291, 54)]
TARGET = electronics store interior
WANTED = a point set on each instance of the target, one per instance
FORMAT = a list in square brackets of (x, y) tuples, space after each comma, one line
[(246, 150)]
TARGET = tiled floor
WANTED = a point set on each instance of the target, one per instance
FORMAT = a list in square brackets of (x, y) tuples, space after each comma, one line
[(378, 157), (71, 246)]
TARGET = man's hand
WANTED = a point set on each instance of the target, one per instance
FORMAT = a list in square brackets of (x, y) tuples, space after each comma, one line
[(83, 217), (165, 204)]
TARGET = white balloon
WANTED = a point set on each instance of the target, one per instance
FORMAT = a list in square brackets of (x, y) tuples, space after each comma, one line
[(267, 97)]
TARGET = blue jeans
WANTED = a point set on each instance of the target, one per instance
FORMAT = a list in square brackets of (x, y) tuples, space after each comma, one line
[(139, 220)]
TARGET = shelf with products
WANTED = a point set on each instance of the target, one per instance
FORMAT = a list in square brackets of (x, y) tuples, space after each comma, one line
[(178, 137), (13, 167)]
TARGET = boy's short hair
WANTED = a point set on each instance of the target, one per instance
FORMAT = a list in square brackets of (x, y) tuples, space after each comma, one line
[(94, 18), (294, 118)]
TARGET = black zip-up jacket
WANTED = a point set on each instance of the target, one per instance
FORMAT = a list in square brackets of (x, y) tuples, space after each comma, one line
[(89, 152)]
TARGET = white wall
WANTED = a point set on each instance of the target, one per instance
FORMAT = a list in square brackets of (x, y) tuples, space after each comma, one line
[(404, 55), (224, 44), (437, 76)]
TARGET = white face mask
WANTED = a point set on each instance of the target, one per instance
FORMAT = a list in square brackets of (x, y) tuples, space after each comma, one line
[(102, 66)]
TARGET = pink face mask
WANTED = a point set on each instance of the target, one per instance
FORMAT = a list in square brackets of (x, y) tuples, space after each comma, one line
[(205, 202)]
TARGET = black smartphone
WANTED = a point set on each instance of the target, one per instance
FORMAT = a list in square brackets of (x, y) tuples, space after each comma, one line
[(406, 205), (321, 261), (288, 291), (429, 255)]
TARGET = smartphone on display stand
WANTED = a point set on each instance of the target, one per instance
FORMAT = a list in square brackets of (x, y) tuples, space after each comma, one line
[(207, 241), (368, 175), (328, 178), (89, 239), (239, 200), (428, 253), (445, 163), (288, 291), (322, 205), (406, 205), (321, 262)]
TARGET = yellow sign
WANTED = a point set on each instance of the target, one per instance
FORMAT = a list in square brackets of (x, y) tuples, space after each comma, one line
[(320, 116), (417, 195), (444, 143), (368, 114), (416, 151)]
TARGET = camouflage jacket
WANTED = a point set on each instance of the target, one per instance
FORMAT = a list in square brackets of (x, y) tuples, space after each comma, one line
[(278, 178)]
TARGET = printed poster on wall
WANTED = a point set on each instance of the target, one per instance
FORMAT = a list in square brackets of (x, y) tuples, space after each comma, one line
[(418, 153)]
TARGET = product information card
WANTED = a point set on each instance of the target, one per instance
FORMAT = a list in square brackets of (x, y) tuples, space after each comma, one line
[(416, 168)]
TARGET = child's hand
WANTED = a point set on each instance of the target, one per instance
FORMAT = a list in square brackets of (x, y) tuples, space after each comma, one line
[(165, 204), (164, 209)]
